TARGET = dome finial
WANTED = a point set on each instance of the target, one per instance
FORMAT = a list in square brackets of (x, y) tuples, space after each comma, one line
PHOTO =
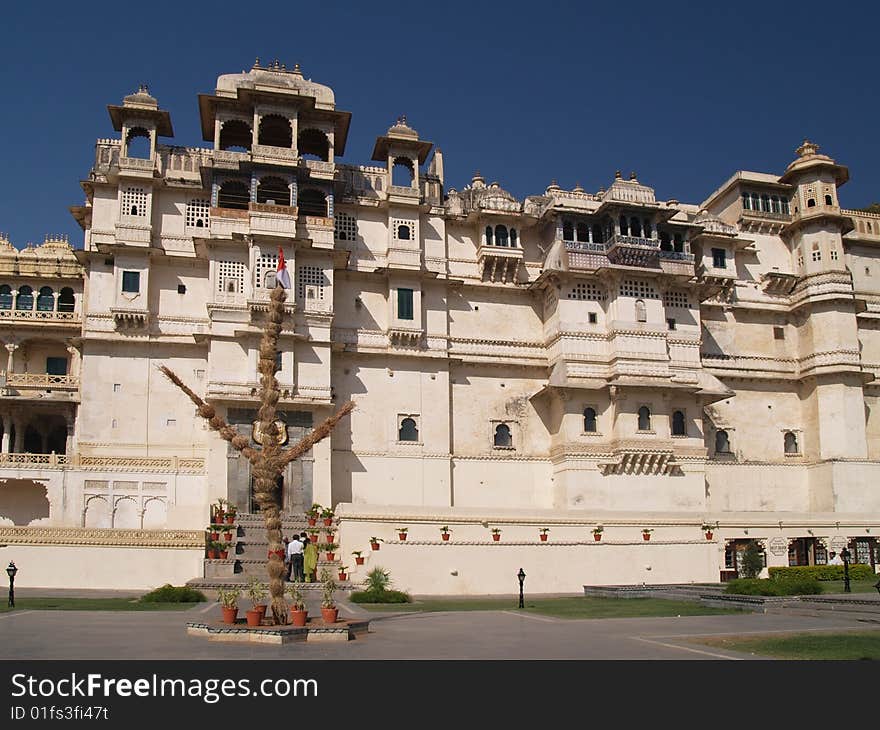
[(617, 175), (807, 148)]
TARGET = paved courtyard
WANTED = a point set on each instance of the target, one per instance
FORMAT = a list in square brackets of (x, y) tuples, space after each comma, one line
[(462, 635)]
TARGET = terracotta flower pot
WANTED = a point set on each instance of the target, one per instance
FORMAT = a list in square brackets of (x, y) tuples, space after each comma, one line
[(298, 618), (597, 536), (331, 557), (328, 521), (708, 535), (227, 536), (360, 561), (212, 554), (445, 535), (402, 536), (224, 554), (230, 519), (254, 618), (219, 516), (215, 535), (329, 537), (329, 615), (261, 609), (229, 614), (646, 536), (543, 538), (343, 576), (313, 521), (374, 545), (496, 538)]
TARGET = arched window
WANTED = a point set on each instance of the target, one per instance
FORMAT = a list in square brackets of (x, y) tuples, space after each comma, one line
[(502, 436), (722, 442), (747, 201), (774, 204), (5, 297), (783, 202), (635, 227), (235, 136), (275, 131), (624, 227), (811, 203), (312, 202), (313, 144), (403, 232), (500, 235), (828, 200), (641, 311), (137, 143), (583, 232), (408, 430), (45, 300), (678, 425), (273, 190), (513, 243), (756, 202), (25, 298), (234, 194), (665, 242), (402, 173), (765, 203), (589, 420), (488, 235), (597, 234), (66, 300), (791, 444), (644, 418), (567, 231), (647, 229)]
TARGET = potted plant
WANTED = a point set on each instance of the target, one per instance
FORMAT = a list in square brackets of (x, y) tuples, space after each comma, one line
[(219, 511), (213, 532), (227, 534), (342, 573), (313, 535), (313, 513), (329, 537), (327, 515), (329, 611), (597, 532), (401, 533), (256, 591), (331, 547), (222, 550), (212, 550), (298, 613), (231, 512), (543, 533), (444, 532), (228, 598), (707, 528), (496, 534), (358, 557), (646, 533), (374, 543)]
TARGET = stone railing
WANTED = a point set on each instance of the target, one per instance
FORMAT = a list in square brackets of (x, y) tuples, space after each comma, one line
[(41, 315), (584, 246), (289, 210), (275, 153), (188, 464), (34, 461), (42, 380), (767, 215), (404, 191), (620, 240), (136, 163), (676, 255), (327, 168)]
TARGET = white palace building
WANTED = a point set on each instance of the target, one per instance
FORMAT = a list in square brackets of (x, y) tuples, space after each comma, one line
[(570, 360)]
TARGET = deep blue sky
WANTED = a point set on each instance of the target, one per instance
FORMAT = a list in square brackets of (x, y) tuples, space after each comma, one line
[(524, 92)]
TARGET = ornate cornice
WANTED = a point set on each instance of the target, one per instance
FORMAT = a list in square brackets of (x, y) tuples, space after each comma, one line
[(177, 539)]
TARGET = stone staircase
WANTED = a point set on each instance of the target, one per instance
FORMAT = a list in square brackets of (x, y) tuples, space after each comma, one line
[(249, 549)]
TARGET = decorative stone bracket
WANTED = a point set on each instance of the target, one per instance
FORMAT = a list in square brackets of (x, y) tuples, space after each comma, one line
[(642, 463)]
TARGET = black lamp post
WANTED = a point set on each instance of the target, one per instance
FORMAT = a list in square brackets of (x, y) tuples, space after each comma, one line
[(522, 576), (11, 570), (844, 555)]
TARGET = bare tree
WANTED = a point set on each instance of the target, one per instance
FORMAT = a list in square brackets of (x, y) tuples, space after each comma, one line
[(269, 460)]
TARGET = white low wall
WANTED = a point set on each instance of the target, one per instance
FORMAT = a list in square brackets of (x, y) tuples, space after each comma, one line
[(121, 568)]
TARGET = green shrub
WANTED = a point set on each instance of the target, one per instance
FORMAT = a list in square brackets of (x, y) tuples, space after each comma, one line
[(380, 597), (752, 560), (824, 572), (794, 586), (173, 594), (377, 580)]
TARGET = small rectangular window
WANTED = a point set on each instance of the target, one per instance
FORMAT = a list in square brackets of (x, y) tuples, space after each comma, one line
[(170, 422), (593, 318), (181, 288), (131, 281), (670, 323), (56, 366), (778, 333), (404, 303), (719, 258), (117, 387)]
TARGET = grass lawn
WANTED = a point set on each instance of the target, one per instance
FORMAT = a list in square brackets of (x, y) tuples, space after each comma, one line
[(861, 645), (36, 603), (856, 586), (574, 607)]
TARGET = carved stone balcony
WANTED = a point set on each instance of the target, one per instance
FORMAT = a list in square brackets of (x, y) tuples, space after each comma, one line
[(319, 230), (318, 169), (763, 221), (224, 222), (136, 167), (677, 263), (41, 318), (499, 263), (779, 282), (404, 194), (632, 251), (274, 155), (273, 220), (33, 461), (405, 336), (229, 160), (640, 459)]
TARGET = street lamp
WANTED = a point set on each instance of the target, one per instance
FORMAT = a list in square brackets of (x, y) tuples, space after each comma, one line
[(11, 570), (522, 576), (844, 555)]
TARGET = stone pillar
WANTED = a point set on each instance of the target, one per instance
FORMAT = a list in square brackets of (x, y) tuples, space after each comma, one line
[(255, 132), (68, 448), (18, 445), (74, 363), (254, 184), (10, 348), (7, 425)]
